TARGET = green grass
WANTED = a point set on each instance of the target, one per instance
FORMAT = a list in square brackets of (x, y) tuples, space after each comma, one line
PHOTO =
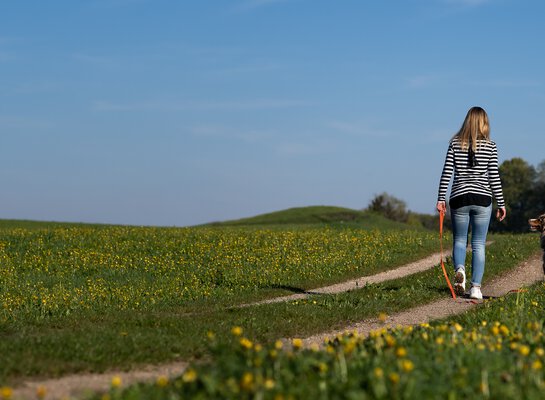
[(319, 215), (100, 338), (495, 351)]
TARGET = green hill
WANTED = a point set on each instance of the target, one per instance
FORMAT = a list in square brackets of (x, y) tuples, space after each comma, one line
[(318, 215)]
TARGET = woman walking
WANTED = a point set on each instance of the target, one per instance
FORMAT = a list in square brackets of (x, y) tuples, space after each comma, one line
[(473, 160)]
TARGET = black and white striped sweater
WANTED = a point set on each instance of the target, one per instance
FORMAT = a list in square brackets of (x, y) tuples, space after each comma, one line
[(481, 179)]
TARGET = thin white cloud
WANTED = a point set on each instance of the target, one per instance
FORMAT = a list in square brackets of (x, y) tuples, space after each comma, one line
[(219, 131), (422, 81), (5, 57), (37, 87), (358, 129), (99, 61), (8, 122), (466, 3), (118, 3), (258, 104), (283, 144), (508, 83), (253, 4), (294, 149), (247, 69)]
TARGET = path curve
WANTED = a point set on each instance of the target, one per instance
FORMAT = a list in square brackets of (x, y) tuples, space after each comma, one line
[(357, 283), (76, 385), (525, 274)]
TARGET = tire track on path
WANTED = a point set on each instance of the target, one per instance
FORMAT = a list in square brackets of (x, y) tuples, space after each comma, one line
[(77, 385), (525, 274)]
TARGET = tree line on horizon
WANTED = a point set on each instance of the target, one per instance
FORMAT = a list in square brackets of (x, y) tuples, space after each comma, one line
[(523, 190)]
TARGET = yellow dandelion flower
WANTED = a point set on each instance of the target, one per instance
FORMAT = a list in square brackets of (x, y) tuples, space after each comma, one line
[(540, 352), (378, 372), (6, 392), (401, 352), (390, 340), (247, 381), (297, 343), (322, 367), (458, 327), (504, 330), (524, 350), (440, 340), (269, 384), (116, 381), (278, 345), (162, 381), (495, 330), (537, 365), (41, 392), (189, 376), (407, 365), (394, 377), (382, 317), (246, 343), (236, 330)]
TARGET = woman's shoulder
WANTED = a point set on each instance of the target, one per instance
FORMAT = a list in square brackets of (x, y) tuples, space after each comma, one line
[(487, 143)]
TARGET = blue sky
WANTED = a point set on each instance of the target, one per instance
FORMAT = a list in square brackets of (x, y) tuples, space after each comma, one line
[(184, 112)]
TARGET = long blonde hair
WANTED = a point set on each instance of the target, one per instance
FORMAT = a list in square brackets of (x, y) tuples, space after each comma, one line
[(475, 127)]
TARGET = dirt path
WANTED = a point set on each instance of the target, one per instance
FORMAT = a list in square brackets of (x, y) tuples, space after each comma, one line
[(77, 385), (408, 269), (525, 274)]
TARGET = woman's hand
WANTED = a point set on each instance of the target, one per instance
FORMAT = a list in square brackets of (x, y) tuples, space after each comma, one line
[(501, 213), (441, 206)]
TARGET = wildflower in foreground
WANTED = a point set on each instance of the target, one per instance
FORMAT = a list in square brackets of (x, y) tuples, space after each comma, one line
[(236, 330), (6, 392), (247, 381), (394, 377), (246, 343), (407, 365), (401, 352), (116, 381), (382, 317), (189, 376), (162, 381), (297, 343), (41, 391)]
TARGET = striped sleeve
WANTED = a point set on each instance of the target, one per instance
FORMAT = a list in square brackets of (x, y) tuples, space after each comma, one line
[(494, 177), (448, 169)]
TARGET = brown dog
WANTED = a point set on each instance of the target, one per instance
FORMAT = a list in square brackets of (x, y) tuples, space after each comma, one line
[(538, 225)]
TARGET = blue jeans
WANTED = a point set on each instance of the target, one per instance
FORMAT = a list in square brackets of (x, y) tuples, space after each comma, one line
[(479, 219)]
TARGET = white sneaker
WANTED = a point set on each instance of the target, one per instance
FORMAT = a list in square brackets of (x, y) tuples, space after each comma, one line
[(460, 282), (475, 293)]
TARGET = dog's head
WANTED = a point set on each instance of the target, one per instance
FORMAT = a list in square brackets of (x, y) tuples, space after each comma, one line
[(537, 224)]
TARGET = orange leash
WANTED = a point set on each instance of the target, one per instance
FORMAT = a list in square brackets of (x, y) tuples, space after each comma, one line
[(441, 218)]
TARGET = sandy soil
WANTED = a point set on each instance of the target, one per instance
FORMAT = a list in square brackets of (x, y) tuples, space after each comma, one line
[(524, 274)]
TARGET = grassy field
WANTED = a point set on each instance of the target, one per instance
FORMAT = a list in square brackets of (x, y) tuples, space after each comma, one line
[(494, 352), (88, 298)]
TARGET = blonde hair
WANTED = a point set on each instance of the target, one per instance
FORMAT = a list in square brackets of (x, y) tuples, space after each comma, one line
[(475, 127)]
